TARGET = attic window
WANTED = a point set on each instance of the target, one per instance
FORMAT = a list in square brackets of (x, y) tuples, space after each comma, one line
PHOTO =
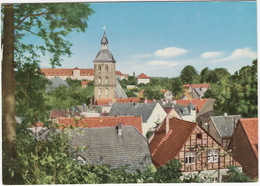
[(198, 136)]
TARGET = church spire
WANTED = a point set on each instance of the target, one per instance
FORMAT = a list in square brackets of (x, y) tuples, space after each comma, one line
[(104, 41)]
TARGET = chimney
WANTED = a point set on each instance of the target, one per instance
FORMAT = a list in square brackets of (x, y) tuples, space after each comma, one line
[(167, 125), (119, 129)]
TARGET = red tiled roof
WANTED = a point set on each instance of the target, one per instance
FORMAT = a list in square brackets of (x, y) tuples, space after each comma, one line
[(66, 72), (107, 121), (165, 147), (85, 82), (119, 73), (61, 114), (250, 126), (199, 85), (199, 103), (117, 100), (128, 100), (142, 76), (103, 101)]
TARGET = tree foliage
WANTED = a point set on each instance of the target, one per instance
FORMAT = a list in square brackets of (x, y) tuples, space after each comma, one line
[(189, 75), (236, 94), (234, 175)]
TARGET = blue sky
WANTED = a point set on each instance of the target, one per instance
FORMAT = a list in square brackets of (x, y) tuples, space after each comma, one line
[(161, 38)]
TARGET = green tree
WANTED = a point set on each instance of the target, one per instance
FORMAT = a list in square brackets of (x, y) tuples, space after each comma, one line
[(189, 75), (236, 94), (235, 175), (30, 91), (170, 173), (73, 82), (49, 22), (153, 94), (176, 86)]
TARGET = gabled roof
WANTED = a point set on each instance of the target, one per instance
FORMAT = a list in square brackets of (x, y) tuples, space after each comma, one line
[(119, 91), (250, 126), (107, 121), (133, 109), (225, 124), (118, 73), (143, 76), (165, 147), (199, 103), (199, 85), (105, 146), (62, 114)]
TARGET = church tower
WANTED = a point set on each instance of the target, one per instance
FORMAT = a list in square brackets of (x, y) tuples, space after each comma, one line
[(104, 72)]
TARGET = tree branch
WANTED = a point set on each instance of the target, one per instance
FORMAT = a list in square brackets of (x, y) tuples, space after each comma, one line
[(30, 15)]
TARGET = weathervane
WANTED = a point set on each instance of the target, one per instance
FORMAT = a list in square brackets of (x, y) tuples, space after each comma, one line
[(104, 28)]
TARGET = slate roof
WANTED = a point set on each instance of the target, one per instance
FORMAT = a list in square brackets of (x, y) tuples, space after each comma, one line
[(250, 126), (105, 146), (55, 83), (133, 109), (183, 110), (119, 91), (107, 121), (165, 147), (104, 55), (62, 114), (199, 103), (225, 124)]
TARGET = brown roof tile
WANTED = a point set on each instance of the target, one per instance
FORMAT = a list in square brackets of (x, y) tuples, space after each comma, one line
[(250, 126), (107, 121), (142, 76), (165, 147)]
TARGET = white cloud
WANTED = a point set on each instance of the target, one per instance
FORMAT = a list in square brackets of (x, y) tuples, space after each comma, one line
[(170, 52), (208, 55), (238, 54), (243, 53)]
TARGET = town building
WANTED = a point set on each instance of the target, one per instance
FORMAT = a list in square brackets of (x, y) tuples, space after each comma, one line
[(244, 145), (106, 121), (142, 78), (115, 146), (152, 113), (192, 146), (221, 128), (64, 73), (105, 72)]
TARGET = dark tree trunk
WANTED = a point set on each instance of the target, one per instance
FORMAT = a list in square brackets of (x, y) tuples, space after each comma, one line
[(8, 84)]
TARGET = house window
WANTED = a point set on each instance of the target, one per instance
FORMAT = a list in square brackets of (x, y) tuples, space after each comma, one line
[(99, 67), (99, 80), (189, 157), (106, 67), (106, 80), (106, 92), (212, 156), (198, 136)]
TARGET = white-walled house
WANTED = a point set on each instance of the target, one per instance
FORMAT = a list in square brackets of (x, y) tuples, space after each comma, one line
[(152, 113), (142, 78)]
